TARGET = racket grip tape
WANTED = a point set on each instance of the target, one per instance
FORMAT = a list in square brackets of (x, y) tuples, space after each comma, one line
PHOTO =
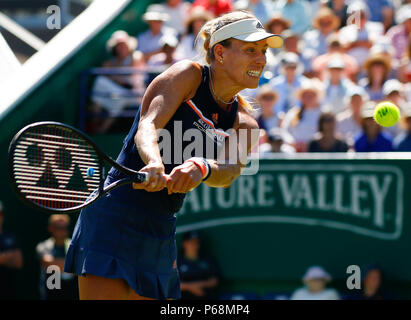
[(141, 177)]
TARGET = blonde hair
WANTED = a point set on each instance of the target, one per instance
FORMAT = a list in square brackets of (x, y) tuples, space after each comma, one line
[(212, 26)]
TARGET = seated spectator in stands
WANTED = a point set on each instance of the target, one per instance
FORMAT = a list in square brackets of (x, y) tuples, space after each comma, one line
[(267, 99), (123, 49), (381, 11), (278, 141), (336, 85), (399, 34), (393, 91), (326, 139), (319, 64), (52, 252), (277, 23), (288, 82), (297, 11), (377, 67), (111, 94), (11, 260), (372, 286), (216, 7), (177, 11), (315, 281), (260, 8), (358, 36), (349, 121), (383, 47), (402, 141), (404, 74), (339, 7), (325, 23), (161, 61), (149, 41), (198, 274), (190, 46), (372, 138), (302, 122)]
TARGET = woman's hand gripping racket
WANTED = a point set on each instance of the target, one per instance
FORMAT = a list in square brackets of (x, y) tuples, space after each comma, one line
[(56, 167)]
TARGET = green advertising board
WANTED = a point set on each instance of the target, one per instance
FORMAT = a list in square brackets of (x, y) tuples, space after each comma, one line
[(294, 213)]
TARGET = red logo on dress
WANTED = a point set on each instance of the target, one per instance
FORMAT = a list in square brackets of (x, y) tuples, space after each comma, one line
[(214, 116), (175, 264)]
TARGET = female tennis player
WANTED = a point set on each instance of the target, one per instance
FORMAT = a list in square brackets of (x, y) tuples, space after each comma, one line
[(123, 246)]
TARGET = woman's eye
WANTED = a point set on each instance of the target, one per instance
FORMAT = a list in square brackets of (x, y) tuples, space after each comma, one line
[(250, 50)]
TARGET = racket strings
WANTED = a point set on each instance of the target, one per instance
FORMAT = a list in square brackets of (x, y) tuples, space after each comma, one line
[(51, 165)]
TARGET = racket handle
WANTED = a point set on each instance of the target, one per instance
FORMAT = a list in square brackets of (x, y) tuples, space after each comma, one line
[(140, 177)]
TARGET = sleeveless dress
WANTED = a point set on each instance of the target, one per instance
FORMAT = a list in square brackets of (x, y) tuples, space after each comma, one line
[(130, 234)]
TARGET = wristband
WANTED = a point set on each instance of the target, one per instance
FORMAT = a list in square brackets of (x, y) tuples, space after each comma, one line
[(203, 165)]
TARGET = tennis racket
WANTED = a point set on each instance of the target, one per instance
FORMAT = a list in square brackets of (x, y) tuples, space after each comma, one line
[(56, 167)]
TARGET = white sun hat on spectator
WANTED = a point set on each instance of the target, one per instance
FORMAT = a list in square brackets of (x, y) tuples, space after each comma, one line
[(404, 13), (316, 272), (357, 7), (249, 30), (391, 86), (336, 63), (119, 37), (155, 13)]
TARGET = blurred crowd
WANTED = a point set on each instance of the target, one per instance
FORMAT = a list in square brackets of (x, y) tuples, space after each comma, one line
[(317, 93)]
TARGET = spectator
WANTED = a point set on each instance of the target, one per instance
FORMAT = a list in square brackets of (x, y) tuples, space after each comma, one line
[(336, 85), (161, 61), (297, 11), (326, 140), (52, 252), (302, 122), (399, 34), (393, 91), (288, 82), (319, 64), (325, 23), (372, 138), (277, 23), (383, 47), (315, 281), (381, 11), (260, 8), (339, 7), (267, 99), (190, 46), (402, 141), (358, 36), (197, 272), (377, 66), (405, 67), (372, 288), (278, 141), (349, 121), (11, 260), (129, 87), (149, 41), (216, 7), (123, 49), (177, 11)]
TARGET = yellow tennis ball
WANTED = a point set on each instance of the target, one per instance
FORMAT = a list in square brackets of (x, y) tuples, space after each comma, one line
[(386, 114)]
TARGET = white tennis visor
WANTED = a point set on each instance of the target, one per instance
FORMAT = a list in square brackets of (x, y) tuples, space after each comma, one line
[(249, 30)]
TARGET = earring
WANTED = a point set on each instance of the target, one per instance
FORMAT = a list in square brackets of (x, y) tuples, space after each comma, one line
[(221, 60)]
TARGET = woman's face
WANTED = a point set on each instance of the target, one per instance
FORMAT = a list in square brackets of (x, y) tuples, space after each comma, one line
[(122, 50), (277, 27), (309, 99), (328, 125), (325, 25), (197, 25), (377, 70), (316, 285), (267, 102), (244, 62), (373, 280)]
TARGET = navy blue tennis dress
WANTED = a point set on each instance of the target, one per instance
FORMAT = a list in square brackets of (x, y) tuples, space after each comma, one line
[(130, 234)]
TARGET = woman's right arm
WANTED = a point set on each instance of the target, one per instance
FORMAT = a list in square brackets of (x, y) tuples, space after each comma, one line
[(161, 100)]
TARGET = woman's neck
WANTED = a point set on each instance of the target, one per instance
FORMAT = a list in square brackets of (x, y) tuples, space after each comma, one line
[(222, 87)]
